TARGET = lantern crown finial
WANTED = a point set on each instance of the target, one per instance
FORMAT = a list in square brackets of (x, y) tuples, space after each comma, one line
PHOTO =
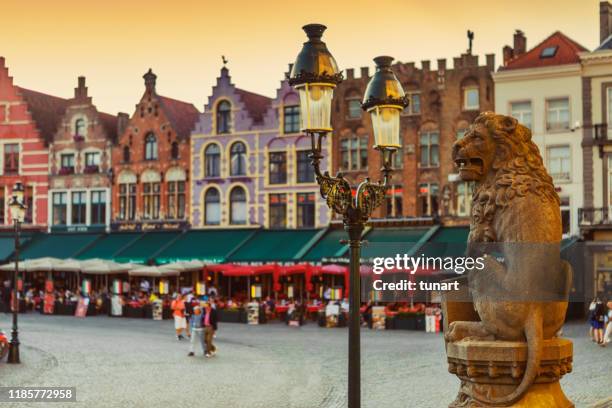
[(383, 61), (314, 31)]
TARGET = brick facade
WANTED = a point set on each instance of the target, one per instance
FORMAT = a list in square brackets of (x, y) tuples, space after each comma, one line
[(150, 164), (439, 110), (80, 164), (28, 121)]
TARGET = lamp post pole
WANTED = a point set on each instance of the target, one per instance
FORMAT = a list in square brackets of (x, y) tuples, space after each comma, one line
[(13, 356), (354, 361)]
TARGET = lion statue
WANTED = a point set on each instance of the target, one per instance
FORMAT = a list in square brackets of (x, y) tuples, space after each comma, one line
[(522, 295)]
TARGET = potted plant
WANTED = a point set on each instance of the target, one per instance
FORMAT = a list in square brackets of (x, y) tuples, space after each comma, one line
[(92, 168)]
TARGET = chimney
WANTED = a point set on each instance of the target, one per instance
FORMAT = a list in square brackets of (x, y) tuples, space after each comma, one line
[(122, 122), (350, 73), (150, 79), (490, 61), (507, 54), (605, 20), (520, 43), (425, 65), (80, 92), (365, 72)]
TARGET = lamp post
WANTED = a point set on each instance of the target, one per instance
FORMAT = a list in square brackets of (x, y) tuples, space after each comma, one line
[(314, 75), (18, 213)]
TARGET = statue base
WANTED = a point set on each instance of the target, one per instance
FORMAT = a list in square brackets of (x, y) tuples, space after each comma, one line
[(493, 369)]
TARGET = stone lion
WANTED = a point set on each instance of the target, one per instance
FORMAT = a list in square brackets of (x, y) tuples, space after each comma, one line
[(515, 210)]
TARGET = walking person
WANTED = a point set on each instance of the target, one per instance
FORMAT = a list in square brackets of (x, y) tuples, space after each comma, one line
[(608, 333), (599, 318), (178, 311), (592, 306), (197, 331), (210, 327)]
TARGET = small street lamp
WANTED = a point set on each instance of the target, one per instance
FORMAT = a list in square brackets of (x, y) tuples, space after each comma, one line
[(314, 75), (18, 209)]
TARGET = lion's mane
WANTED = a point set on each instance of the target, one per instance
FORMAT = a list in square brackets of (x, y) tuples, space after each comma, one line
[(519, 170)]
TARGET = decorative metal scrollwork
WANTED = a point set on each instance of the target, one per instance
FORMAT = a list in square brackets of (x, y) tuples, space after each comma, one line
[(337, 190)]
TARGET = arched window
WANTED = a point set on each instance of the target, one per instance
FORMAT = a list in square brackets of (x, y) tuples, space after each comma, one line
[(150, 147), (126, 154), (224, 113), (212, 159), (238, 206), (212, 207), (238, 159), (79, 127), (174, 150)]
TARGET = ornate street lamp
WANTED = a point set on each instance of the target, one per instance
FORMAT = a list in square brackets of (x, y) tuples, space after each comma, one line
[(314, 75), (18, 209)]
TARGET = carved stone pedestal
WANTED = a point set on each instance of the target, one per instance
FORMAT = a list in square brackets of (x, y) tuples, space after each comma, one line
[(495, 368)]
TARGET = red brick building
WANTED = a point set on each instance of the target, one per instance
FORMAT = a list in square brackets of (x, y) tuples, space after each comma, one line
[(150, 164), (28, 121), (443, 102), (80, 164)]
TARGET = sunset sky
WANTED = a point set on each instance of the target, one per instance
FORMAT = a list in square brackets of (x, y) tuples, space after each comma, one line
[(47, 44)]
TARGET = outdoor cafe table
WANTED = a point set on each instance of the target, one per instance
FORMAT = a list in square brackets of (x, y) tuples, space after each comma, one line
[(281, 311), (312, 311)]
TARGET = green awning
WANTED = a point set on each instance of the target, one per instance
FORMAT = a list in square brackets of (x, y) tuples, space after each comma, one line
[(7, 246), (109, 245), (446, 242), (60, 246), (211, 246), (328, 246), (274, 246), (146, 247), (388, 242)]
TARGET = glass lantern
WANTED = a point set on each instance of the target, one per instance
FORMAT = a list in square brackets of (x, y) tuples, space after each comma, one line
[(315, 75), (384, 100), (386, 125), (315, 106)]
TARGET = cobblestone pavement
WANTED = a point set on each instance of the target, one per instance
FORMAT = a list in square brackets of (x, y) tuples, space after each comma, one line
[(138, 363)]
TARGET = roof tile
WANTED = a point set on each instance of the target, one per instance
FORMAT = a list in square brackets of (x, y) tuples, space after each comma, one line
[(46, 110), (566, 53)]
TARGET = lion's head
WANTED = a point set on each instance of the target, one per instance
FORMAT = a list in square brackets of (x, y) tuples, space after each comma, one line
[(499, 150)]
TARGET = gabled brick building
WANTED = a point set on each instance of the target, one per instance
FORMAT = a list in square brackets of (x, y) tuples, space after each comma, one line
[(80, 165), (250, 162), (443, 102), (28, 121), (150, 164)]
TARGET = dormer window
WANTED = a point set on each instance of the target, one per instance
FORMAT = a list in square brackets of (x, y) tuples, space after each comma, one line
[(224, 113), (549, 52)]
